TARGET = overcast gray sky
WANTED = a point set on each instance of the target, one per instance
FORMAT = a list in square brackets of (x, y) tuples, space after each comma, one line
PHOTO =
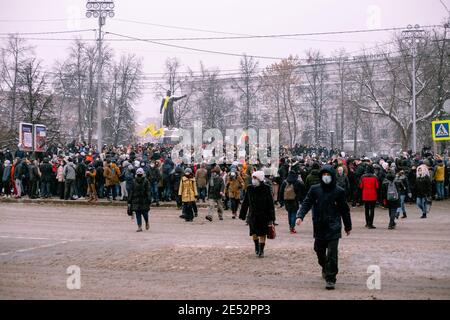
[(255, 17)]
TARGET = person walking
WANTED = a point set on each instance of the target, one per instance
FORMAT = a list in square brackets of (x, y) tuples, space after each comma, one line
[(259, 210), (329, 210), (188, 194), (201, 176), (139, 199), (369, 186), (216, 187), (391, 189), (402, 184), (423, 189), (292, 194), (233, 189)]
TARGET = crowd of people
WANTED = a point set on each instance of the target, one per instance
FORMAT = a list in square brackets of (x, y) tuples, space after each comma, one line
[(316, 178)]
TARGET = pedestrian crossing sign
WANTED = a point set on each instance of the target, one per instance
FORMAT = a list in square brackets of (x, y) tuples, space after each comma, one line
[(441, 130)]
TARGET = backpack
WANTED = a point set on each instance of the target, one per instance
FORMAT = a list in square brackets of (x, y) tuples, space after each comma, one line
[(289, 192), (392, 193)]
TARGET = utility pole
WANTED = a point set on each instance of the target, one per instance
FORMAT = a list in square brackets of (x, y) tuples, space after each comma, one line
[(100, 10), (412, 37)]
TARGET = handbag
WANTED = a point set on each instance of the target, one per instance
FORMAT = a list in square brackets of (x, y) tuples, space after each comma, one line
[(272, 232)]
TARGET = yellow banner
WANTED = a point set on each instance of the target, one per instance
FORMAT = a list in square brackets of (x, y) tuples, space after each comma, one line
[(151, 130)]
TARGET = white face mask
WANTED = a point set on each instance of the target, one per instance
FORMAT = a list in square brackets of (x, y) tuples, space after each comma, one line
[(256, 182), (326, 179)]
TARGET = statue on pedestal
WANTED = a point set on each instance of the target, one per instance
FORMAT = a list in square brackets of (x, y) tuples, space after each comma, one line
[(167, 105)]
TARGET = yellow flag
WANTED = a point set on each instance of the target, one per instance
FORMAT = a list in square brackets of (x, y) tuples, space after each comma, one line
[(151, 129)]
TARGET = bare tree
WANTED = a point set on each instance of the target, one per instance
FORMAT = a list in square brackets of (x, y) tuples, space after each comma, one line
[(35, 98), (211, 100), (248, 84), (14, 54), (125, 90), (388, 82), (343, 72), (316, 92), (281, 81)]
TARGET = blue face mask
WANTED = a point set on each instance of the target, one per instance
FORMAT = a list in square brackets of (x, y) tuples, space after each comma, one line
[(326, 179)]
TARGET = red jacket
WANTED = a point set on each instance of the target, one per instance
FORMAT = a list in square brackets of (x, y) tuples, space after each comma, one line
[(369, 186)]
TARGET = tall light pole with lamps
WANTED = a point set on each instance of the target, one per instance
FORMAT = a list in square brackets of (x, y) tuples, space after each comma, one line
[(412, 37), (100, 10)]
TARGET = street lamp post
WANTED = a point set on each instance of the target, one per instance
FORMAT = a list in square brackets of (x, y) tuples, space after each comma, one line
[(412, 37), (332, 139), (100, 10)]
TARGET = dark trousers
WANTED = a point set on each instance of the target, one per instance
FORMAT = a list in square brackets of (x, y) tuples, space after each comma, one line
[(370, 212), (69, 189), (188, 210), (7, 187), (327, 255), (139, 214), (392, 216), (234, 205), (34, 184), (61, 189)]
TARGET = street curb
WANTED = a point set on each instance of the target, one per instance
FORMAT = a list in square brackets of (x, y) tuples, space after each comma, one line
[(102, 203)]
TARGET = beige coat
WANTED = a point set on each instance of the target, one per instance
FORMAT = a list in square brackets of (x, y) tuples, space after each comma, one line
[(201, 176)]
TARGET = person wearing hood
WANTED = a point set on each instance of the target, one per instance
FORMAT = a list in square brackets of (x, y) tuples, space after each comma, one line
[(369, 186), (423, 189), (342, 180), (216, 187), (167, 169), (233, 188), (139, 198), (391, 191), (6, 179), (175, 181), (313, 177), (188, 194), (292, 194), (329, 209), (259, 207)]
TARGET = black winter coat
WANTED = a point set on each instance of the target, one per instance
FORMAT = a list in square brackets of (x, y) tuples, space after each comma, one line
[(139, 195), (329, 208), (423, 187), (46, 171), (258, 204)]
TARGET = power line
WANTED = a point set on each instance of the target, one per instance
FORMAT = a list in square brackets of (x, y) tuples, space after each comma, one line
[(247, 36), (193, 49), (46, 32)]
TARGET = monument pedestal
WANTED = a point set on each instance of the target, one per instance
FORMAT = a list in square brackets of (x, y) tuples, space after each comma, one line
[(171, 136)]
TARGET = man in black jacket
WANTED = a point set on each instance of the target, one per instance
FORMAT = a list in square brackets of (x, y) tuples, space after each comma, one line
[(46, 177), (329, 206)]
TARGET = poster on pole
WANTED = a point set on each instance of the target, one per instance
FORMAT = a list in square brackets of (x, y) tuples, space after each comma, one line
[(25, 137), (40, 138)]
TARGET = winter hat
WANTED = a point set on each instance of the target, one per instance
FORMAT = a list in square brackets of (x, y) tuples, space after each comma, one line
[(188, 171), (140, 171), (258, 175)]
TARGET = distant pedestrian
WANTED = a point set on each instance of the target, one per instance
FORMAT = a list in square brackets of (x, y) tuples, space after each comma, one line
[(139, 198)]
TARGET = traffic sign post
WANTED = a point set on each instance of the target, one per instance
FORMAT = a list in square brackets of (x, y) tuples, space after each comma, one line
[(441, 130)]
